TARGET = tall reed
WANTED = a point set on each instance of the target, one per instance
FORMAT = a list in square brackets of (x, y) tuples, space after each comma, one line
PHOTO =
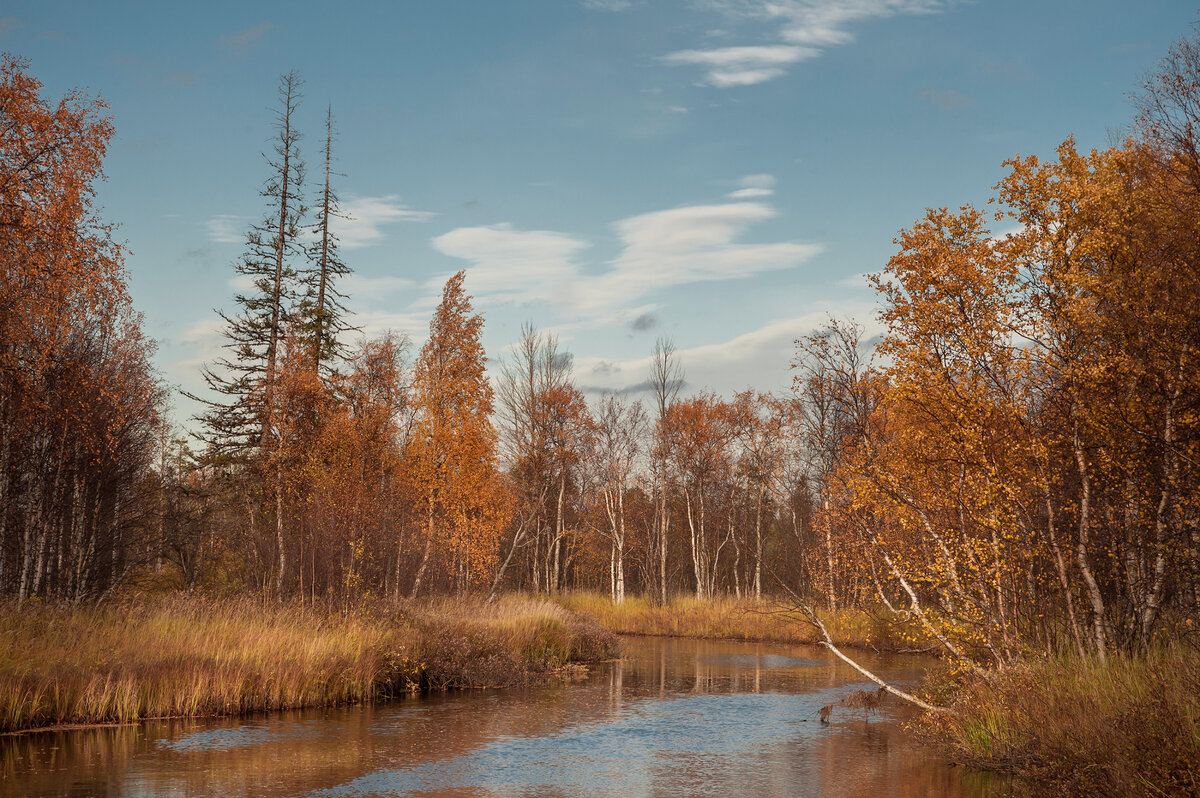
[(1082, 727), (177, 657)]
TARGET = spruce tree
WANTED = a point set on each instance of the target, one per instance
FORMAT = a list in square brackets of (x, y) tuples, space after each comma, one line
[(240, 423), (323, 309)]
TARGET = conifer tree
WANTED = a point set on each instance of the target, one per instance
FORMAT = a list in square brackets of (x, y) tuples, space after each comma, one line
[(323, 306), (240, 423)]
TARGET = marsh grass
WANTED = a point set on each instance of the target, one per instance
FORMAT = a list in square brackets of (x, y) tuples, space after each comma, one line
[(180, 657), (1078, 726), (728, 618)]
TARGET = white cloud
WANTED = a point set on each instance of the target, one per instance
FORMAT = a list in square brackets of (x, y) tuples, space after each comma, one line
[(227, 228), (822, 23), (658, 250), (807, 27), (753, 186), (366, 215), (760, 358), (750, 193), (513, 264), (741, 66)]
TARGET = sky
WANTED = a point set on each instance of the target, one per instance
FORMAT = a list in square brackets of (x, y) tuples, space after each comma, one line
[(723, 173)]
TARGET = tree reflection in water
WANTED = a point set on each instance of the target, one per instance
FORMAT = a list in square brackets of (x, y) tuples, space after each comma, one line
[(675, 716)]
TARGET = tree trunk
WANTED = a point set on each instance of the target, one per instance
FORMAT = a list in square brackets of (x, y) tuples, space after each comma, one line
[(1081, 551)]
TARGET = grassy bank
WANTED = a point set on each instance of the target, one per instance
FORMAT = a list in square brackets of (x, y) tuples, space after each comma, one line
[(1079, 727), (191, 657), (728, 618)]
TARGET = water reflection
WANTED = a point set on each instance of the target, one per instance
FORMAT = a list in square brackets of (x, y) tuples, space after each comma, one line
[(673, 717)]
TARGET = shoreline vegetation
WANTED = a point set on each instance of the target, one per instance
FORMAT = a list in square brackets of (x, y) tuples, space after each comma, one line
[(64, 665), (729, 618), (189, 657), (1073, 725), (1130, 725)]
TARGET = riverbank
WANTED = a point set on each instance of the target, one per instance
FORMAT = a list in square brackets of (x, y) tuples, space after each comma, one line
[(192, 657), (728, 618), (1077, 726)]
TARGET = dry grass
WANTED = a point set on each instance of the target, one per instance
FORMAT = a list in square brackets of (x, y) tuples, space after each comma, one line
[(1076, 726), (189, 657), (728, 618)]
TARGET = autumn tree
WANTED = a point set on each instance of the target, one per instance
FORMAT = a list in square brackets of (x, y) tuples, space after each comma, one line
[(702, 430), (451, 454), (78, 398), (355, 498)]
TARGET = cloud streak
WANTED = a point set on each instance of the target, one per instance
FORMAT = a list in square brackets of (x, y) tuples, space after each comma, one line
[(364, 218), (741, 66), (226, 228), (804, 30)]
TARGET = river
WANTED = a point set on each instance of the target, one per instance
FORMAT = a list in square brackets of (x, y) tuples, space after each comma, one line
[(673, 717)]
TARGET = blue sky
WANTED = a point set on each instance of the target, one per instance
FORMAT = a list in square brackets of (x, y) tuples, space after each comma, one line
[(718, 171)]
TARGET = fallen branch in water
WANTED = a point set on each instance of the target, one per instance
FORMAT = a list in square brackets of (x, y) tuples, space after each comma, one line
[(812, 618)]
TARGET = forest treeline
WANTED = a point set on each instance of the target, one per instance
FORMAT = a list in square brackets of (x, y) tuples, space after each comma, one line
[(1012, 467)]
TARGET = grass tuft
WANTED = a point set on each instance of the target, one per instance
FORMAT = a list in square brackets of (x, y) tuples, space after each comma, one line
[(1079, 726)]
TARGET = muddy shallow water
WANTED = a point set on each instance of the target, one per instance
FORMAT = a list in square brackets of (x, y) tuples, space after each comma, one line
[(673, 717)]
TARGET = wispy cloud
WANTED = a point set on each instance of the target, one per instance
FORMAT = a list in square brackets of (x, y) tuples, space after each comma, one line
[(8, 25), (366, 216), (754, 186), (227, 228), (804, 28), (242, 39), (658, 250), (742, 66)]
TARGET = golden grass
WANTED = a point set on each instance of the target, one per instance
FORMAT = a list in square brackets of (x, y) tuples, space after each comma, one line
[(191, 657), (1077, 726), (725, 617)]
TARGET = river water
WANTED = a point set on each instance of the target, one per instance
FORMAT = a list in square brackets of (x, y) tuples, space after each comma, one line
[(673, 717)]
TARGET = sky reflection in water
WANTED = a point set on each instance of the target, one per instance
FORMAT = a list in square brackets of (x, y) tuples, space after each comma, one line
[(675, 717)]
